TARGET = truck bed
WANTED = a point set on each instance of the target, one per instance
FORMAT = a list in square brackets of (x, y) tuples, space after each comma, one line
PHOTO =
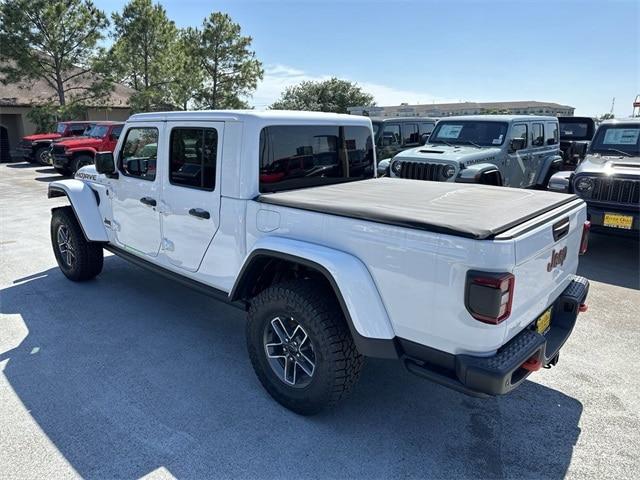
[(466, 210)]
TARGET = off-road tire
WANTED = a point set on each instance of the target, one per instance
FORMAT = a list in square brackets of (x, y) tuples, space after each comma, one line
[(37, 156), (315, 308), (80, 161), (89, 256)]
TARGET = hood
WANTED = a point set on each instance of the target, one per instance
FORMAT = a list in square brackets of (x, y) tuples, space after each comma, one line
[(76, 142), (41, 136), (609, 165), (89, 174), (457, 154)]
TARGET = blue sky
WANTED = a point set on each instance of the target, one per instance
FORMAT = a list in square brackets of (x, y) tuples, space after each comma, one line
[(576, 52)]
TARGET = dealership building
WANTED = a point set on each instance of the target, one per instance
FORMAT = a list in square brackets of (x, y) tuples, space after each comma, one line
[(465, 108)]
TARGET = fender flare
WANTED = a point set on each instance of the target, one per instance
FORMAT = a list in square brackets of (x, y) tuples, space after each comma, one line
[(473, 173), (80, 150), (84, 202), (543, 174), (350, 280)]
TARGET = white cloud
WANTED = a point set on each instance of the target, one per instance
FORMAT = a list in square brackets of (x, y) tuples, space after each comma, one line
[(278, 77)]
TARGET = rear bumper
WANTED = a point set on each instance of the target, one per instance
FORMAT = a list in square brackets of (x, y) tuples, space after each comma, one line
[(504, 371)]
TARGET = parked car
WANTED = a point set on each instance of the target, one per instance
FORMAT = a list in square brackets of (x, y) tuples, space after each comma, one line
[(69, 155), (575, 135), (393, 135), (505, 150), (608, 179), (35, 148), (261, 209)]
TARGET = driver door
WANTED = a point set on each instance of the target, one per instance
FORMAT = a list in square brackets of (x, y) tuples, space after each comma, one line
[(135, 195)]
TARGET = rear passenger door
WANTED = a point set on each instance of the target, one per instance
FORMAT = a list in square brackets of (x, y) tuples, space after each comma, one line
[(190, 203), (538, 154)]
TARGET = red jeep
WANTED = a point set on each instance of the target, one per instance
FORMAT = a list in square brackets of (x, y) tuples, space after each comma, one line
[(69, 155), (35, 148)]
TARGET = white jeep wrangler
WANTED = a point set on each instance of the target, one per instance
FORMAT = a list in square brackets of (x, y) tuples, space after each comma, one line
[(471, 286)]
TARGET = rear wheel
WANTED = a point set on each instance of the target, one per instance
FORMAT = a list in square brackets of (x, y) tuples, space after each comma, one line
[(80, 161), (300, 346), (78, 259)]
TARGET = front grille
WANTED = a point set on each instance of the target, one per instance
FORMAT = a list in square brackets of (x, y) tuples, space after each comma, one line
[(421, 171), (57, 149), (615, 190)]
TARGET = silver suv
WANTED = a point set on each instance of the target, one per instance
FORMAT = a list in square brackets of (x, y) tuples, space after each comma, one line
[(509, 150)]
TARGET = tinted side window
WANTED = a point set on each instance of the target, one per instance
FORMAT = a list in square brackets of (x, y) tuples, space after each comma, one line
[(139, 153), (116, 132), (78, 129), (551, 133), (304, 156), (426, 128), (391, 135), (411, 134), (192, 157), (537, 131)]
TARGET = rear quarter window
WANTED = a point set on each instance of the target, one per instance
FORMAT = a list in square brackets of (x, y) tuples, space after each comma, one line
[(294, 157)]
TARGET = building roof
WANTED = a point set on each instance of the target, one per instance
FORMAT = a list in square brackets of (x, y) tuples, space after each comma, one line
[(500, 118), (471, 105), (29, 93)]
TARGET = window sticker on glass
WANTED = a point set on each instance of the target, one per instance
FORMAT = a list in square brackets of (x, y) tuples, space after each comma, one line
[(450, 131), (621, 136), (497, 141)]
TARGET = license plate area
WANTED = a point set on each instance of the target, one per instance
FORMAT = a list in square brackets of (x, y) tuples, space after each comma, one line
[(616, 220), (543, 323)]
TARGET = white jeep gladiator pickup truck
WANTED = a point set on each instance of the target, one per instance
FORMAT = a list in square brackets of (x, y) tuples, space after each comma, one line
[(280, 213)]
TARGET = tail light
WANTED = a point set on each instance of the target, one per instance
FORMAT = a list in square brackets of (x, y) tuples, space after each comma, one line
[(488, 296), (584, 242)]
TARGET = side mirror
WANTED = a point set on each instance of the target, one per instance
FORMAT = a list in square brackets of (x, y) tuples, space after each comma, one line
[(516, 144), (105, 163), (383, 167), (424, 138), (560, 182), (137, 166)]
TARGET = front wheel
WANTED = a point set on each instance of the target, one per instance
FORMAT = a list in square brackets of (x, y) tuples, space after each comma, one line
[(300, 346), (80, 161), (78, 258), (41, 156)]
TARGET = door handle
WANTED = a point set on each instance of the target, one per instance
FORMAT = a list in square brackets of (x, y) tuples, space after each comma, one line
[(200, 213), (148, 201)]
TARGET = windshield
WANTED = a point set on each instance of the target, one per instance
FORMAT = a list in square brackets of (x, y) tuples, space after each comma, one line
[(575, 130), (60, 128), (97, 131), (469, 132), (617, 139)]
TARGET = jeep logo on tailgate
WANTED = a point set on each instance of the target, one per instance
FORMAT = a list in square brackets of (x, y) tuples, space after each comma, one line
[(557, 258)]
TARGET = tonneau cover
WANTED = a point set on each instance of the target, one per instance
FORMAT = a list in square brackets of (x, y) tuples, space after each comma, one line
[(467, 210)]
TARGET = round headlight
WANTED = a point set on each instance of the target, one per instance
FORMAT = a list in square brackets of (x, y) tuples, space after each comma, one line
[(584, 184), (448, 171), (396, 167)]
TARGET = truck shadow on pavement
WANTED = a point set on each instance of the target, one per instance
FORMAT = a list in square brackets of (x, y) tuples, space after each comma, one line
[(612, 259), (132, 372)]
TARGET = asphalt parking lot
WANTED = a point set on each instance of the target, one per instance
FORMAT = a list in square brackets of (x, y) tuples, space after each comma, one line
[(133, 375)]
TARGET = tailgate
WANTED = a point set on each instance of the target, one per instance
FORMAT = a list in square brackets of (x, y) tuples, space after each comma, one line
[(546, 257)]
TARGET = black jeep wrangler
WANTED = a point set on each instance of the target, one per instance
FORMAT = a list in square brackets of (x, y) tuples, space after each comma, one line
[(575, 135)]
